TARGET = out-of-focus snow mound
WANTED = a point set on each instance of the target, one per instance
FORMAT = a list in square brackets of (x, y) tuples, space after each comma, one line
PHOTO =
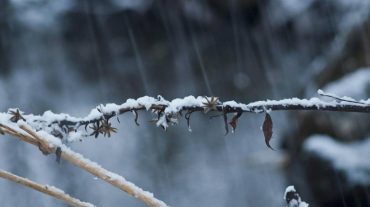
[(355, 84), (350, 158)]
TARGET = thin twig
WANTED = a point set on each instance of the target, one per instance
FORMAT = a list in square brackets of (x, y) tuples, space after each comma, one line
[(89, 166), (46, 189), (333, 96)]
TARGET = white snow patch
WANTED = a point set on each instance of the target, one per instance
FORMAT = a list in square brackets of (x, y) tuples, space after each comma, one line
[(353, 158), (294, 202), (354, 84)]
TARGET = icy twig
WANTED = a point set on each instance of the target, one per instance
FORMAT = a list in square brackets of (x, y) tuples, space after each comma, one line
[(333, 96), (46, 189), (49, 143)]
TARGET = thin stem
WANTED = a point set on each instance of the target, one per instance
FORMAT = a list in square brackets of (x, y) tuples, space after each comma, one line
[(46, 189), (87, 165)]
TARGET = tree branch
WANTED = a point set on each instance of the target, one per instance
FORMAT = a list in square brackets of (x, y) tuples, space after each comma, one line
[(166, 113), (46, 189), (52, 128), (48, 144)]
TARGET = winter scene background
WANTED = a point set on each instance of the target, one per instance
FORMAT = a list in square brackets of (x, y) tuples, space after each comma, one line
[(70, 56)]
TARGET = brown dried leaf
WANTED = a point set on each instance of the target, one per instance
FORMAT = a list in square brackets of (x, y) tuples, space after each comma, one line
[(234, 121), (58, 154), (225, 121), (106, 128), (97, 129), (136, 117), (211, 104), (187, 117), (44, 148), (16, 115), (267, 130)]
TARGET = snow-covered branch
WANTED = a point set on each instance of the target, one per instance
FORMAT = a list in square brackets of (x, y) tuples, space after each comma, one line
[(166, 113), (46, 189), (293, 199), (50, 132), (49, 144)]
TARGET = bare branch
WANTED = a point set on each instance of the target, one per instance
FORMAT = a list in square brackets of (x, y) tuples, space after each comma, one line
[(46, 189)]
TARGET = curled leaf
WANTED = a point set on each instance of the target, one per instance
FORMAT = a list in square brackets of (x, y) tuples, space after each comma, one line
[(16, 115), (234, 121), (225, 121), (44, 148), (136, 117), (58, 153), (187, 117), (87, 124), (97, 129), (267, 130)]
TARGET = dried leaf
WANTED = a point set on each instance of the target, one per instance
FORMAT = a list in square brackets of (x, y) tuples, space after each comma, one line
[(44, 148), (106, 128), (187, 117), (58, 153), (234, 121), (225, 121), (211, 104), (56, 133), (97, 129), (267, 130), (136, 117), (16, 115)]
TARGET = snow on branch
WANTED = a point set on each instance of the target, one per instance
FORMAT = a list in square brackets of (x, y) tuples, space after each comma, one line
[(46, 189), (293, 199), (167, 113), (50, 144), (51, 132)]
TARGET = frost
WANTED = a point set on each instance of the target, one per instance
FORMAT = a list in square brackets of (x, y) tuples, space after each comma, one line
[(74, 128), (162, 121), (112, 176), (75, 136), (52, 188), (293, 101), (234, 104), (146, 101), (178, 104)]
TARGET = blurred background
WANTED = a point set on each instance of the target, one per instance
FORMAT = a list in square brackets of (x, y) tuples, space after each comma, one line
[(69, 56)]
